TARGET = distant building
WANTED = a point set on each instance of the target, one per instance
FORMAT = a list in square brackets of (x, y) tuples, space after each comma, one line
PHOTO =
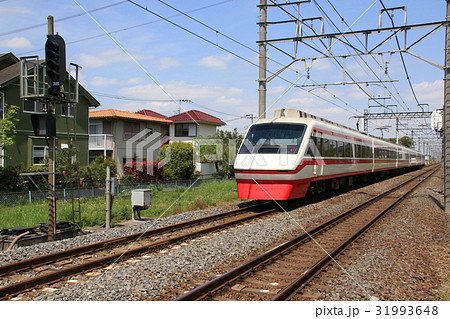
[(71, 123), (110, 130), (191, 125)]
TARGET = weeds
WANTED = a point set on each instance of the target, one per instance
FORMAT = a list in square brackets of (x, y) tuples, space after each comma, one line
[(93, 209)]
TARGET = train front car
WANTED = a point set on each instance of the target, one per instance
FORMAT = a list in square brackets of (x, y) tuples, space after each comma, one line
[(268, 162), (283, 157)]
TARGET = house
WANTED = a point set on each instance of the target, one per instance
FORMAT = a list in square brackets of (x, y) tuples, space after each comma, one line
[(193, 124), (71, 121), (189, 126), (126, 136)]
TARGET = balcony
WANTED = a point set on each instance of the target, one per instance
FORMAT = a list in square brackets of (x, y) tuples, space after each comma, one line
[(101, 142)]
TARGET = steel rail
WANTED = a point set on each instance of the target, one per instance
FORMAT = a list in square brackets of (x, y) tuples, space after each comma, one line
[(57, 275), (291, 289), (233, 274), (53, 257)]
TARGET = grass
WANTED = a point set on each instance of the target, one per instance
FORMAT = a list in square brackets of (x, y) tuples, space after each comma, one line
[(167, 202)]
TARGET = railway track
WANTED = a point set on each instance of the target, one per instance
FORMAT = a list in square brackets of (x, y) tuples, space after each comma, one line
[(281, 272), (22, 276)]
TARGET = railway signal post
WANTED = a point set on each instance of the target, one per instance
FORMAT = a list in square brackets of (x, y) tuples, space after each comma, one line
[(446, 144)]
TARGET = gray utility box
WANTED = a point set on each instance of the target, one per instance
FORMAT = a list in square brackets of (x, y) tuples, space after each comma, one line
[(140, 199)]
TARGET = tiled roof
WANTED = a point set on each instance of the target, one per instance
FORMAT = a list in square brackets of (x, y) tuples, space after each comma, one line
[(124, 115), (152, 113), (196, 116), (9, 73)]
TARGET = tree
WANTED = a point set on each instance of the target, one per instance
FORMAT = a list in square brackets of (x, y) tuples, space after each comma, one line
[(95, 173), (8, 127), (404, 141), (178, 160), (67, 166), (231, 142)]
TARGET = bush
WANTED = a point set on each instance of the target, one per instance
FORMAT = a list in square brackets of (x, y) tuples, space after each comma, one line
[(178, 160), (95, 173), (10, 180), (143, 170)]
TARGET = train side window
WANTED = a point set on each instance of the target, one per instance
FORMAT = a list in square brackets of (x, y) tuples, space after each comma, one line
[(319, 142), (325, 147), (359, 150), (312, 142), (348, 150), (333, 149), (340, 149)]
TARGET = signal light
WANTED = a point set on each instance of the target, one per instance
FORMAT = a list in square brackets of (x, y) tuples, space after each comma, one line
[(55, 61), (44, 124)]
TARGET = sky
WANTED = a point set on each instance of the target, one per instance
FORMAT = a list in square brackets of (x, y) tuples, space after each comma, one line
[(177, 55)]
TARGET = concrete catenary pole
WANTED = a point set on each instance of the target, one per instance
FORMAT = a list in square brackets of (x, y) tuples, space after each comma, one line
[(446, 146), (262, 58)]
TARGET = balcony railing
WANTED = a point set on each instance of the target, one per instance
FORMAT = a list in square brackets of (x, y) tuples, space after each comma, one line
[(101, 142)]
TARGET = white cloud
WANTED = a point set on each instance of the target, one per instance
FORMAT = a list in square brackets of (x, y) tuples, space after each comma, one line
[(108, 57), (103, 81), (431, 93), (216, 61), (135, 80), (321, 65), (228, 101), (15, 10), (276, 89), (179, 90), (16, 43), (168, 62)]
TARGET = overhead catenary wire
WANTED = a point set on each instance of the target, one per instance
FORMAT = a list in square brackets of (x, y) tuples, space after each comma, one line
[(239, 56), (31, 27), (403, 104), (220, 33), (118, 30)]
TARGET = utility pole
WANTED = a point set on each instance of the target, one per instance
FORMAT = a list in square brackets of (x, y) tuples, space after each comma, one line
[(108, 198), (51, 163), (446, 144), (262, 58)]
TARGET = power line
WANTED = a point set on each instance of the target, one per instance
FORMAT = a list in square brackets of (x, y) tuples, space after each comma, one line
[(123, 29), (405, 106), (62, 19), (401, 56), (127, 98)]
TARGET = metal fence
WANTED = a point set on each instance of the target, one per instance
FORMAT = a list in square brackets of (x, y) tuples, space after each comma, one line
[(10, 199)]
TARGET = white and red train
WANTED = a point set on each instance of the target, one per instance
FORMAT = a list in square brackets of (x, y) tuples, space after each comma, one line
[(294, 153)]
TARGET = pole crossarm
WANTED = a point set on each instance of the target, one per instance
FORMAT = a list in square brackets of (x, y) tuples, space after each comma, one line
[(336, 35), (396, 115), (343, 83), (282, 4)]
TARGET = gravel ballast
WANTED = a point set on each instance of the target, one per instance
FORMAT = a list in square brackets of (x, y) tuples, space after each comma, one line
[(404, 257)]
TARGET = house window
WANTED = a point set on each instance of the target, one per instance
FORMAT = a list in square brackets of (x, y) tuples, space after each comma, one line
[(33, 106), (95, 127), (39, 153), (67, 110), (185, 129), (130, 129)]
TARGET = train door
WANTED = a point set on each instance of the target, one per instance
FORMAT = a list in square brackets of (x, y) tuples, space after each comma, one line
[(318, 154), (373, 155)]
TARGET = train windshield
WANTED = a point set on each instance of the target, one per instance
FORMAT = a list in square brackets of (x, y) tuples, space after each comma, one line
[(273, 138)]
